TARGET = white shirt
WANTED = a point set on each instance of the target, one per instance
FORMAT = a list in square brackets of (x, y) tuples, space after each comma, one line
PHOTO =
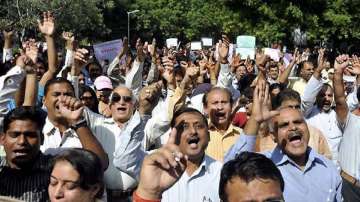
[(112, 139), (201, 186), (325, 121), (349, 150), (54, 142)]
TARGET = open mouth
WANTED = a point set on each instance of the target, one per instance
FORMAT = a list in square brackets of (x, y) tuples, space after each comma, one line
[(193, 142), (295, 138), (121, 109), (220, 115), (21, 152)]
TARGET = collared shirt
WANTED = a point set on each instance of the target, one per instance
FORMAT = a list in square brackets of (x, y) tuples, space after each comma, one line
[(319, 181), (298, 86), (349, 150), (55, 142), (115, 141), (112, 139), (28, 185), (317, 142), (132, 80), (201, 186), (324, 121), (220, 143)]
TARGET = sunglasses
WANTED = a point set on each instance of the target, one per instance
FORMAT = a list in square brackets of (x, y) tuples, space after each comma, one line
[(115, 97)]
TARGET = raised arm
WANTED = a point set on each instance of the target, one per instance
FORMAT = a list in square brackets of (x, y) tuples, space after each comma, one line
[(133, 78), (7, 52), (47, 28), (153, 74), (31, 87), (72, 110), (283, 78), (341, 63), (260, 113)]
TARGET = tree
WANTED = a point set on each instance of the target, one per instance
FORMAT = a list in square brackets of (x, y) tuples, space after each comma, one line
[(81, 17)]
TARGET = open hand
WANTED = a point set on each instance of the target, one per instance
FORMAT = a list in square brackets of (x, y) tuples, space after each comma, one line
[(47, 26)]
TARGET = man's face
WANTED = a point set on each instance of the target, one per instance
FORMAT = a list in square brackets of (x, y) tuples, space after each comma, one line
[(291, 103), (273, 72), (21, 143), (52, 98), (327, 100), (291, 132), (123, 108), (219, 108), (192, 134), (307, 71), (240, 72), (257, 190), (40, 70)]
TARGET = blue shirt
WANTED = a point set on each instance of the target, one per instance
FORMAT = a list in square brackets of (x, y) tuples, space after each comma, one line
[(319, 181)]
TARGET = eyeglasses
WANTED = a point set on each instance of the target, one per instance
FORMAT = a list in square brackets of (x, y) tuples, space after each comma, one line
[(115, 97)]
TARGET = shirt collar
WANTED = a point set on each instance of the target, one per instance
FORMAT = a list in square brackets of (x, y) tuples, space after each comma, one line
[(204, 166), (230, 130), (280, 158)]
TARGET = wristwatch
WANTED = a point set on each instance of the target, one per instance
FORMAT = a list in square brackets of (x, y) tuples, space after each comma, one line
[(79, 124)]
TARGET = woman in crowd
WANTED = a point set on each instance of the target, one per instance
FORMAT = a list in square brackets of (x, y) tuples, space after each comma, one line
[(88, 98), (77, 175)]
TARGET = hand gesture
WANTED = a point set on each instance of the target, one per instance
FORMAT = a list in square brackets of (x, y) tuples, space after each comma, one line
[(355, 68), (224, 49), (152, 48), (71, 109), (31, 51), (70, 40), (68, 36), (168, 72), (23, 60), (80, 59), (149, 97), (341, 62), (261, 103), (125, 48), (161, 169), (140, 51), (261, 60), (47, 26), (235, 62)]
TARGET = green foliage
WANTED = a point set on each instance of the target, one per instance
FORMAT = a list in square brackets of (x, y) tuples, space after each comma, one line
[(269, 21), (79, 16)]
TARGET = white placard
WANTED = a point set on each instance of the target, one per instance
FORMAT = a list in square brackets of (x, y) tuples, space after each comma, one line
[(107, 50), (172, 42), (207, 41), (245, 52), (244, 41), (196, 45), (273, 53)]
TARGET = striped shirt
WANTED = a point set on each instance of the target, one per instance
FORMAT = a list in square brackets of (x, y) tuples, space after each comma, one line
[(30, 184)]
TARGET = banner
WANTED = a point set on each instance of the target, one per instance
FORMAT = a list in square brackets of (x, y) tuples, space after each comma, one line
[(107, 50)]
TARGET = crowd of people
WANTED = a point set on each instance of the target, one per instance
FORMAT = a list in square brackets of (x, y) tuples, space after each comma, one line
[(175, 124)]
